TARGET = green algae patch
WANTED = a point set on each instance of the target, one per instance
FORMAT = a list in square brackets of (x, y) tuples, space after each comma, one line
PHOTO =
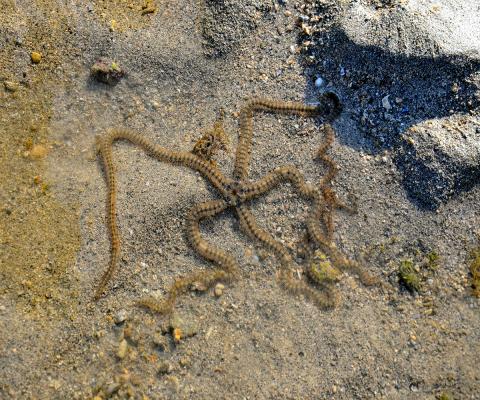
[(321, 270), (409, 276)]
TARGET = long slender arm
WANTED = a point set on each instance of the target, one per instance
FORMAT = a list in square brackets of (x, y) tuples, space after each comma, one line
[(251, 228), (183, 158), (329, 105), (324, 299), (328, 247), (287, 173), (244, 147), (186, 159), (212, 253), (226, 269)]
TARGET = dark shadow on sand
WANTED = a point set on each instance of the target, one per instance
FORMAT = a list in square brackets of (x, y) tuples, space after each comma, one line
[(419, 89)]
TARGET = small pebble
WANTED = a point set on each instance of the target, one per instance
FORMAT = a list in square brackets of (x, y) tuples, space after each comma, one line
[(120, 317), (219, 289), (99, 334), (182, 327), (11, 86), (185, 361), (112, 388), (107, 71), (174, 383), (455, 88), (177, 335), (165, 368), (36, 57), (319, 82), (386, 103), (55, 384), (122, 349), (149, 10), (198, 287), (306, 29)]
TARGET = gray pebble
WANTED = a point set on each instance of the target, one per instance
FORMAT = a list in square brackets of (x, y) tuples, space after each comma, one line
[(11, 86), (319, 82), (121, 316), (111, 389), (386, 103), (164, 367)]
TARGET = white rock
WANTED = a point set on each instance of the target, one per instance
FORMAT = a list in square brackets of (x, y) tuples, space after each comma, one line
[(319, 82), (386, 103), (418, 27), (120, 316)]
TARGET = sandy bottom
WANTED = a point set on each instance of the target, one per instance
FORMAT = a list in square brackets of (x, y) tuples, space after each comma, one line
[(184, 61)]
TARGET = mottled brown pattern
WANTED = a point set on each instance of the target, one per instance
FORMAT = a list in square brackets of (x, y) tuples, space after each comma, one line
[(213, 140)]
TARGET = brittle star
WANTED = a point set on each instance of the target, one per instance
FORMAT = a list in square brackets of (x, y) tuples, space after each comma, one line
[(235, 193)]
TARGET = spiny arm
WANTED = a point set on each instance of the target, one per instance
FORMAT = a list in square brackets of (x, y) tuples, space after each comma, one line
[(329, 106), (226, 269), (186, 159)]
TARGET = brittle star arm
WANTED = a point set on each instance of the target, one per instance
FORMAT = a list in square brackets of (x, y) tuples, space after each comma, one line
[(186, 159), (324, 241), (208, 251), (331, 199), (227, 266), (338, 259), (291, 174), (273, 178), (324, 299), (329, 105), (329, 196)]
